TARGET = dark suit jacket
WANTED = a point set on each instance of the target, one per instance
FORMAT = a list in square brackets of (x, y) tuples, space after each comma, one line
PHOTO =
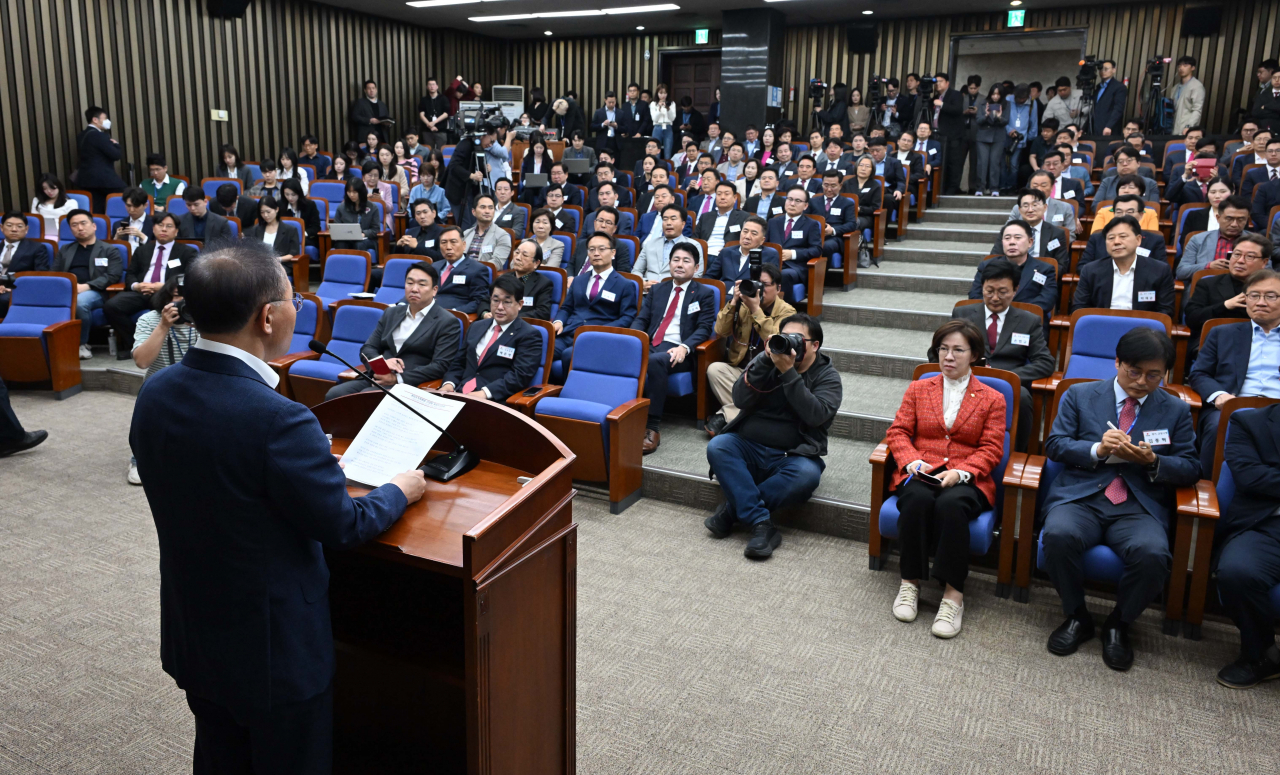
[(100, 276), (601, 132), (1096, 248), (1242, 161), (361, 111), (842, 164), (1072, 185), (593, 198), (432, 235), (808, 245), (695, 327), (538, 288), (140, 262), (428, 351), (814, 186), (788, 170), (244, 610), (1081, 421), (1223, 362), (572, 196), (649, 220), (471, 293), (32, 256), (732, 226), (724, 266), (697, 126), (1197, 220), (589, 227), (1255, 177), (1208, 302), (1265, 197), (618, 311), (98, 157), (915, 171), (951, 117), (1094, 289), (1029, 361), (504, 372), (1038, 286), (513, 218), (1179, 192), (635, 121), (895, 177), (1267, 107), (843, 215), (1060, 252), (870, 196), (147, 223), (216, 228), (286, 244), (1254, 456), (775, 205), (1108, 111)]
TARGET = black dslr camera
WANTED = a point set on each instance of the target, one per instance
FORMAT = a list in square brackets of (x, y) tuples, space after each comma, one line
[(787, 344), (817, 89), (7, 279), (181, 304), (751, 286)]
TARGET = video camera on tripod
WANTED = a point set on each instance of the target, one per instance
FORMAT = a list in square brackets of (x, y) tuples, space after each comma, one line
[(1086, 82), (476, 119), (876, 97), (1157, 111), (817, 89)]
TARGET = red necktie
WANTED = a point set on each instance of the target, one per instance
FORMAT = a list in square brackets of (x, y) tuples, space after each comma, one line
[(448, 270), (159, 263), (666, 319), (1117, 492), (993, 332), (786, 234), (497, 332), (595, 288), (828, 204)]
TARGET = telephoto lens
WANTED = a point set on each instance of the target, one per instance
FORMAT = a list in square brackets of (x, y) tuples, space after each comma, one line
[(787, 344)]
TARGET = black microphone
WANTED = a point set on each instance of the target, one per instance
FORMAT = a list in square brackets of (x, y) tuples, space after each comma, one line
[(441, 468)]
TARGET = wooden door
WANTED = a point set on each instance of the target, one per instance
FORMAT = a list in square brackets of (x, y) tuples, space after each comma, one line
[(695, 75)]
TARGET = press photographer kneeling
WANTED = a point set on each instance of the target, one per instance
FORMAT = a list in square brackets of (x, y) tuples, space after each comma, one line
[(770, 455)]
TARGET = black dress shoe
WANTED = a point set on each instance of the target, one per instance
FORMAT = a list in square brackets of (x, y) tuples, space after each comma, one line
[(1246, 674), (721, 522), (764, 539), (1117, 654), (1069, 635), (28, 440), (715, 424), (124, 355)]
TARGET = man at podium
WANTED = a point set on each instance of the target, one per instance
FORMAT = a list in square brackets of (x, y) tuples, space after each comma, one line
[(244, 609)]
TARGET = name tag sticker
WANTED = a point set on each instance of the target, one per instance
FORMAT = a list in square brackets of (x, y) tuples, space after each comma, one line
[(1156, 438), (1053, 243), (506, 217), (1146, 295), (1057, 218), (459, 279), (835, 211), (99, 262), (1144, 252), (506, 352), (1069, 195), (609, 295), (1038, 278), (429, 243), (776, 210), (694, 307), (1022, 340), (933, 151), (528, 301), (735, 229), (797, 235)]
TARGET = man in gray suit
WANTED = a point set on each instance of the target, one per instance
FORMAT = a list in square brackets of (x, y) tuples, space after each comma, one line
[(1057, 212), (200, 224), (506, 213), (723, 223), (1015, 337), (1213, 248), (95, 265), (418, 339)]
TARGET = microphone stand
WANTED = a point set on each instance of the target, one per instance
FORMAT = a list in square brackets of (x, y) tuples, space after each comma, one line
[(442, 467)]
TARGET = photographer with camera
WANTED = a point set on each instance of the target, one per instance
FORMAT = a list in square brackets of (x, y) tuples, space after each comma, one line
[(465, 176), (837, 112), (770, 455)]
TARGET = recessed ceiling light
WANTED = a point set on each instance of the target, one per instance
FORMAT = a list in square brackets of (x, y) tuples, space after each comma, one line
[(642, 9), (435, 3), (548, 32), (1015, 2), (566, 14), (867, 13), (641, 27)]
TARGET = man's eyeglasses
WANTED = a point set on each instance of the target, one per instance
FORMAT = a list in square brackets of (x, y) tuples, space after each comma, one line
[(1271, 298), (1139, 376), (296, 300)]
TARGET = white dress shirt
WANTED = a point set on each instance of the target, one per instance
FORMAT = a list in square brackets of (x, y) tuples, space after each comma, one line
[(252, 361), (953, 391), (672, 334), (1122, 286), (164, 265), (140, 239), (1120, 399), (408, 326), (715, 243)]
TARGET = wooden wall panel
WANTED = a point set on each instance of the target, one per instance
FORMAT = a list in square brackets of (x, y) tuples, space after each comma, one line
[(159, 66)]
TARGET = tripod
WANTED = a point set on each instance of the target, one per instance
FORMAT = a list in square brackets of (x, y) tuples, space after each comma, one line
[(1153, 104), (1087, 104)]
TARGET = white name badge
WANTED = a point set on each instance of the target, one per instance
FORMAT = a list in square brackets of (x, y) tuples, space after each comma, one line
[(459, 279), (1069, 195), (776, 211), (865, 190), (835, 211), (1023, 340), (1146, 295), (797, 235), (174, 263), (1156, 438), (1057, 218), (735, 229), (429, 243), (99, 262), (609, 295), (1038, 278), (528, 301), (694, 307), (1144, 252), (933, 151), (506, 217), (506, 352), (1053, 243)]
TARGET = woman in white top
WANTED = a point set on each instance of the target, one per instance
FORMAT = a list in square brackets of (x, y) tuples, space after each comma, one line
[(552, 249), (663, 112), (538, 147), (51, 203), (748, 184), (289, 169)]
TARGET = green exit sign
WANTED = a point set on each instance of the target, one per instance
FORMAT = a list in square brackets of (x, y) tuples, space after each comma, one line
[(701, 36), (1016, 18)]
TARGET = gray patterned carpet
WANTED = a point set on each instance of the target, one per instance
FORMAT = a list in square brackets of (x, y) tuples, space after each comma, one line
[(691, 658)]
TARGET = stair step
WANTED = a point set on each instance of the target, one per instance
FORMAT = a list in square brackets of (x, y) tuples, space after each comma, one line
[(875, 352), (967, 254), (892, 309), (977, 202), (947, 215), (953, 232), (919, 269), (943, 279)]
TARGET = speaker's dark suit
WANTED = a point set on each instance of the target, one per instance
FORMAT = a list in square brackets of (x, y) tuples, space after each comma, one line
[(1220, 367), (427, 353), (805, 238), (470, 292), (1151, 275), (1096, 248), (1108, 109), (614, 305), (244, 609), (1038, 286), (508, 365), (697, 318), (727, 265)]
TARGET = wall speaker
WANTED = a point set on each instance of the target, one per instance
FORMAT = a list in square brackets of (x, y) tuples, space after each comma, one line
[(862, 37), (227, 9), (1201, 20)]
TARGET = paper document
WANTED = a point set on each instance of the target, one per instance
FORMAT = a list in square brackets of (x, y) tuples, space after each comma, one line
[(393, 439)]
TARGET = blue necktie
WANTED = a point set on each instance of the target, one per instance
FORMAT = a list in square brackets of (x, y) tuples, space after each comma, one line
[(1103, 90)]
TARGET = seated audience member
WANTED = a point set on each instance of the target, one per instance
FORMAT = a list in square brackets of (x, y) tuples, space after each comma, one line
[(1126, 505), (377, 191), (158, 185), (722, 224), (1064, 188), (1015, 338), (704, 202), (840, 214), (428, 190), (734, 262), (392, 174), (553, 200), (505, 212), (1191, 139), (1239, 360), (1076, 169), (870, 196), (269, 183), (162, 338), (606, 222), (1046, 239), (711, 144), (800, 239), (1056, 212), (1247, 562), (230, 166), (541, 224), (783, 166), (1265, 194), (1152, 244), (1222, 296), (1217, 190), (19, 254), (355, 209), (600, 297), (746, 322), (1128, 280), (731, 167), (418, 339), (311, 155), (486, 242), (806, 179), (1142, 213), (134, 228), (1036, 281), (925, 437), (653, 150), (1127, 164), (647, 203), (833, 158), (1256, 155), (343, 169), (888, 167), (571, 193), (228, 201), (464, 282), (768, 201), (280, 237), (678, 316), (606, 199), (149, 267), (1189, 188), (501, 352), (605, 184), (770, 455), (537, 292), (653, 264), (421, 238), (1261, 175), (198, 223), (95, 265), (51, 204), (911, 161), (1212, 249), (663, 197), (749, 184), (686, 162)]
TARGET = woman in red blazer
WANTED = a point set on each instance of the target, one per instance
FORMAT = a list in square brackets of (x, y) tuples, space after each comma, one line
[(951, 426)]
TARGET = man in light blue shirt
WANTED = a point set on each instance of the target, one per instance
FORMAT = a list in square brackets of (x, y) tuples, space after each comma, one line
[(1020, 122)]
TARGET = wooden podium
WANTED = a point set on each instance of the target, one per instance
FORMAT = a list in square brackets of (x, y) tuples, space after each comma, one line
[(455, 629)]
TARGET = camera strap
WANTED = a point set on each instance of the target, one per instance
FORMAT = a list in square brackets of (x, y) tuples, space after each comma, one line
[(171, 341)]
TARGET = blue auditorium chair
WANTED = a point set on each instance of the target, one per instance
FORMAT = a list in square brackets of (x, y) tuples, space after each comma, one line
[(330, 191), (39, 336), (210, 186), (82, 198), (345, 272), (559, 285), (353, 321), (116, 208), (255, 171), (65, 237), (301, 273), (397, 266), (99, 319), (308, 327), (175, 205)]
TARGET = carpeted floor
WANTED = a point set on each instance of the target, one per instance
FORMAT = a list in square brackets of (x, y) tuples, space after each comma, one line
[(691, 659)]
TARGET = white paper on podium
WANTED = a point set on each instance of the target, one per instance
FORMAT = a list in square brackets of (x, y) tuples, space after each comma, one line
[(393, 439)]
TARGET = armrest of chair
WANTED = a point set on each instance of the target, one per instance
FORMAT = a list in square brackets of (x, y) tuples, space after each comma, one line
[(1206, 500), (628, 410), (1189, 500), (1013, 471), (115, 287), (62, 342), (1186, 394), (431, 385), (880, 455), (1032, 469), (285, 362), (1047, 384), (816, 282), (526, 404)]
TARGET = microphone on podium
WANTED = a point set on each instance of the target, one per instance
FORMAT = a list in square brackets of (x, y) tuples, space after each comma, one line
[(441, 468)]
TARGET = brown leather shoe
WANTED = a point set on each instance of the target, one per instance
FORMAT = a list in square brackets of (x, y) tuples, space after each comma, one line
[(651, 441)]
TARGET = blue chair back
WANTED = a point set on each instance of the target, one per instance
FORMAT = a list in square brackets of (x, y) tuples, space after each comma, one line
[(123, 250), (627, 251), (680, 199), (447, 152), (1174, 148), (64, 229), (392, 290), (567, 241), (304, 330), (255, 172), (235, 229), (377, 207), (605, 368), (557, 289), (574, 215), (322, 209), (35, 226), (1093, 345), (297, 228), (117, 210), (344, 274), (330, 191), (50, 249), (39, 301), (210, 186), (624, 179), (798, 150), (540, 376), (352, 326), (628, 225), (84, 201), (176, 205)]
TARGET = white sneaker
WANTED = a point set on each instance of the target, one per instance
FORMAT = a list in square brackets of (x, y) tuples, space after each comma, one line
[(85, 352), (947, 623), (133, 475), (995, 193), (904, 605), (977, 193)]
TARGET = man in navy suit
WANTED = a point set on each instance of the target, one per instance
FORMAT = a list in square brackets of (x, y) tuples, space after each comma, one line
[(500, 354), (1241, 359), (678, 316), (1260, 175), (464, 282), (636, 120), (733, 263), (1248, 541), (98, 156), (605, 123), (663, 197), (1257, 156), (136, 227), (1064, 188), (1109, 100), (806, 178), (244, 610), (800, 238), (840, 213), (1128, 280), (705, 200), (605, 197), (1125, 444), (895, 177), (19, 254), (768, 202), (598, 297), (1037, 281), (1152, 243)]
